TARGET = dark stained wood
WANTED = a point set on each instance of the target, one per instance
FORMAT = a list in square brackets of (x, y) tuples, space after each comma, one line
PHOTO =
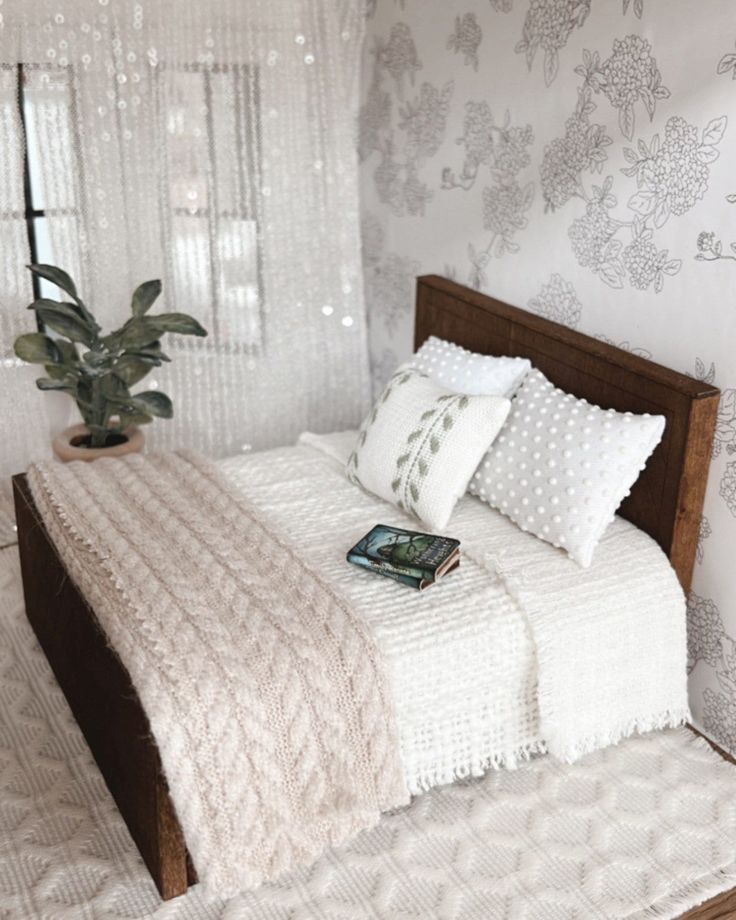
[(722, 907), (667, 500), (101, 696)]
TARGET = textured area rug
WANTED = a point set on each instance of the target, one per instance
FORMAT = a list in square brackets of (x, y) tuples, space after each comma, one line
[(643, 830)]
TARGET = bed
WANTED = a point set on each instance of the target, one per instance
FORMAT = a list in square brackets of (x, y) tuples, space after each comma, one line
[(664, 508)]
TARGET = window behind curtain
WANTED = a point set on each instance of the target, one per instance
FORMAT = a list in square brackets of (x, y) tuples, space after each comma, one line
[(212, 162), (210, 126)]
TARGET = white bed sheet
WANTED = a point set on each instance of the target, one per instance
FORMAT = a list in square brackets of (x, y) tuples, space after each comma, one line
[(463, 656)]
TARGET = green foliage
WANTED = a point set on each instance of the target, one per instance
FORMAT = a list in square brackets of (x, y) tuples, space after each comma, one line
[(99, 379)]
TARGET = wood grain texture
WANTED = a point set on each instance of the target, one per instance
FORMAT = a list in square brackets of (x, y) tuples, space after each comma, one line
[(667, 500), (666, 503), (102, 698)]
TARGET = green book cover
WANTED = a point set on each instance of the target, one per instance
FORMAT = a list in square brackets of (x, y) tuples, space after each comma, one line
[(420, 558)]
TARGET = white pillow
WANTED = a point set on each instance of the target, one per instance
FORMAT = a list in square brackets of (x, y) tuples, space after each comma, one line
[(464, 371), (421, 443), (561, 466)]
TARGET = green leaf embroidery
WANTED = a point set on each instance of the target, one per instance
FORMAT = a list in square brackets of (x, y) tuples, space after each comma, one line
[(434, 444), (428, 414), (422, 467), (395, 486), (414, 435), (463, 402), (402, 460), (448, 421), (414, 492)]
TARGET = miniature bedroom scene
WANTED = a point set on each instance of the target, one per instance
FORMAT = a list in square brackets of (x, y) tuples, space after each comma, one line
[(368, 460)]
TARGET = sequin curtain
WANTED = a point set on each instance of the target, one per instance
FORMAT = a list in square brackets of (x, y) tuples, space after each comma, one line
[(211, 145)]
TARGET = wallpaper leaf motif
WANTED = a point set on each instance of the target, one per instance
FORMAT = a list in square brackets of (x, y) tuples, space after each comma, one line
[(728, 63), (626, 346), (548, 25), (466, 38), (557, 301), (638, 7)]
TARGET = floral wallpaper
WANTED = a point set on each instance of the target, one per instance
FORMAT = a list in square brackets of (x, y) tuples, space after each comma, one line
[(573, 157)]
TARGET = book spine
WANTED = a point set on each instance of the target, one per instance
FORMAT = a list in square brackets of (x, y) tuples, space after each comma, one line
[(422, 574), (390, 571)]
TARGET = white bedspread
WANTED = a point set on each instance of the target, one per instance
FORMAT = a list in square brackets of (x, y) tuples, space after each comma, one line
[(519, 651)]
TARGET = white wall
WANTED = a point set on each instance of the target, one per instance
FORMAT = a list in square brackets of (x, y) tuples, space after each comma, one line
[(574, 158)]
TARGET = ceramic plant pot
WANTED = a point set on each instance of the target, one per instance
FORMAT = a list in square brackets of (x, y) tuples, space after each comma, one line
[(69, 444)]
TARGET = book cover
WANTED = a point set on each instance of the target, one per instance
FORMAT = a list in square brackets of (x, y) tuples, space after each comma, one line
[(414, 558)]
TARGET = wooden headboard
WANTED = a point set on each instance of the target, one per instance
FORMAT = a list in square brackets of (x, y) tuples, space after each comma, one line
[(667, 500)]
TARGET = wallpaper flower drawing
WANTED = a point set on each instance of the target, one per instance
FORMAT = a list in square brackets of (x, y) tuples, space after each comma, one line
[(548, 25), (557, 301), (671, 172), (466, 38), (581, 167), (404, 149), (503, 149)]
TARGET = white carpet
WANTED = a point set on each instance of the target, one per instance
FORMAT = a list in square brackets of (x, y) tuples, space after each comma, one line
[(645, 829)]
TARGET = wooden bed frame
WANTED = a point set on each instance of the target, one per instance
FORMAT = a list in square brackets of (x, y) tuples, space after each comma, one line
[(666, 502)]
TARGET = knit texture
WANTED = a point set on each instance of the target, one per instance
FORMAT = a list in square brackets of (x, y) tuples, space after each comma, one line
[(518, 651), (641, 831), (265, 692), (420, 444)]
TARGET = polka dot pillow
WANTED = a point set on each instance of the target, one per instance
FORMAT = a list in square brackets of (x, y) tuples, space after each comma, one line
[(561, 466), (464, 371)]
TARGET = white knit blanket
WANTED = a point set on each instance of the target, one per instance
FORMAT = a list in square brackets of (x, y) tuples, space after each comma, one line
[(265, 692), (519, 651)]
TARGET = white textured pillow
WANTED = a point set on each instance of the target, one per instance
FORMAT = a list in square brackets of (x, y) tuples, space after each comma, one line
[(561, 466), (464, 371), (420, 444)]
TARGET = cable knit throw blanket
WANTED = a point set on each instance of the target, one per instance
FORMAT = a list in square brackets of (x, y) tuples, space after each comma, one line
[(265, 693)]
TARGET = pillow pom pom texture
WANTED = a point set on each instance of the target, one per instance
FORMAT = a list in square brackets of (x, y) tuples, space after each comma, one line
[(561, 466), (420, 444), (467, 372)]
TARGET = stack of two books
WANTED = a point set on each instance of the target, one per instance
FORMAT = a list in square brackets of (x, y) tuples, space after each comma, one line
[(415, 559)]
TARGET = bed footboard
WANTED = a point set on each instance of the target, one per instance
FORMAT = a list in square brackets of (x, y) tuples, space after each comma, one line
[(102, 698)]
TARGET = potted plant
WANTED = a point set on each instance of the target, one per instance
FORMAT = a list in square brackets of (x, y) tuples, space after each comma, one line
[(97, 370)]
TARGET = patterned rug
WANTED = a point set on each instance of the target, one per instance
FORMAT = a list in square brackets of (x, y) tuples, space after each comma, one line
[(645, 829)]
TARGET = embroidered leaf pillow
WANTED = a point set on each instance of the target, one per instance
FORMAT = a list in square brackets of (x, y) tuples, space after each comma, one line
[(421, 444)]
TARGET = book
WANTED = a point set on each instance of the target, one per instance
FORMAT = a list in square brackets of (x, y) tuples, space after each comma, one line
[(408, 556)]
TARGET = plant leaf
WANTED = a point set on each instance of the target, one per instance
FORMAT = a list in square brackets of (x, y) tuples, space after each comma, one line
[(48, 383), (64, 319), (145, 296), (56, 276), (37, 348), (134, 418), (179, 323), (131, 369), (152, 402)]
